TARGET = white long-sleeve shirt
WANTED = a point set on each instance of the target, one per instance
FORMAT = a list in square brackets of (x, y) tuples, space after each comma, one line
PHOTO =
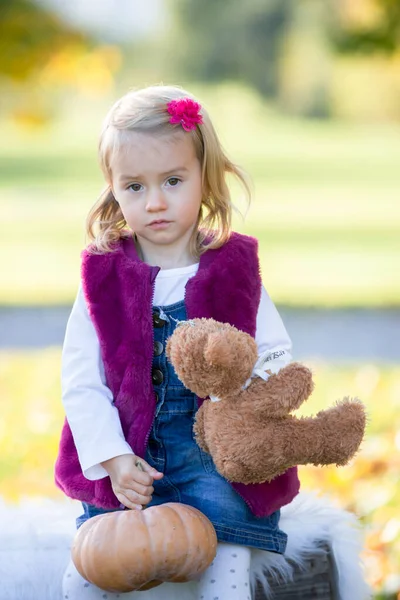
[(88, 401)]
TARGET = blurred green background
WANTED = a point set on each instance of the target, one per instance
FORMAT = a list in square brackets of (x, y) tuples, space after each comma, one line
[(305, 96)]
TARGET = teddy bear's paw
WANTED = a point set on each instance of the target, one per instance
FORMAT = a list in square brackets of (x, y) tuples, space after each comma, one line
[(286, 390), (201, 442), (237, 471), (299, 378), (233, 471), (344, 427), (199, 429)]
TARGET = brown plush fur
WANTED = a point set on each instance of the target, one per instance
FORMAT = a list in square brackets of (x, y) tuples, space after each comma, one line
[(250, 433)]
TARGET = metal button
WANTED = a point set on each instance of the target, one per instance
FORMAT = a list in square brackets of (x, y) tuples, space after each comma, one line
[(158, 348), (157, 376), (157, 322)]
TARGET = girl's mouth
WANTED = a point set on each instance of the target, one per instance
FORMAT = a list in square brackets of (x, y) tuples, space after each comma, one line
[(159, 224)]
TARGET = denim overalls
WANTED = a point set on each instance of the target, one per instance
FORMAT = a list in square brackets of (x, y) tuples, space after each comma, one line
[(190, 475)]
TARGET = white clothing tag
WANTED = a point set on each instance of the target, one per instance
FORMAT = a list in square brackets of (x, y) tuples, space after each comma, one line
[(271, 361)]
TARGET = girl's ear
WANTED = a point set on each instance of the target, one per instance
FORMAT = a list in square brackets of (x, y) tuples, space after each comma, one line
[(113, 192), (114, 196), (109, 183)]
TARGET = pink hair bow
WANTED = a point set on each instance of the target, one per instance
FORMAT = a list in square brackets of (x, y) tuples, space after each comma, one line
[(186, 112)]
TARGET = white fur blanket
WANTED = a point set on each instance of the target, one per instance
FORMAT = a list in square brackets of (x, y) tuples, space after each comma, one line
[(35, 539)]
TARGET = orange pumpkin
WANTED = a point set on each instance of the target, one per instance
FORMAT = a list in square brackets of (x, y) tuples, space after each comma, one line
[(132, 550)]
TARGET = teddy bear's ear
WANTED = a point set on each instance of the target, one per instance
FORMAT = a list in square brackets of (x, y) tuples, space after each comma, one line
[(217, 351)]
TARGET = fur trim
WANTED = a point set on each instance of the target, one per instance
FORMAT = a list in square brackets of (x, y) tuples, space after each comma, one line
[(309, 520), (35, 541)]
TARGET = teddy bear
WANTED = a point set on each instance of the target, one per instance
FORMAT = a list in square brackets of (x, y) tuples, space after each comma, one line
[(245, 421)]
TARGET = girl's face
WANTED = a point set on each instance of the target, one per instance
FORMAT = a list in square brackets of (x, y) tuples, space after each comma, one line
[(157, 182)]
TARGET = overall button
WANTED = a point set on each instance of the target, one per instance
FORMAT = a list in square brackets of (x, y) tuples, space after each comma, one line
[(158, 348), (157, 376), (157, 322)]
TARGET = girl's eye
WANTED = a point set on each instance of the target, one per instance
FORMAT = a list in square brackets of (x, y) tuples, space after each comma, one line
[(135, 187), (173, 181)]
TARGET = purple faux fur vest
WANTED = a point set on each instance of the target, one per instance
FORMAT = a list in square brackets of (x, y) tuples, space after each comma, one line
[(119, 289)]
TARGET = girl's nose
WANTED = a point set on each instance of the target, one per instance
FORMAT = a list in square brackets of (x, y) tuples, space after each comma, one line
[(156, 201)]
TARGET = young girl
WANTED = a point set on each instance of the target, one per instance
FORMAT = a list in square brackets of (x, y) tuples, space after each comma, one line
[(162, 251)]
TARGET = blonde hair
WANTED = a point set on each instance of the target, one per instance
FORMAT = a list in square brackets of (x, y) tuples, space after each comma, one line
[(145, 111)]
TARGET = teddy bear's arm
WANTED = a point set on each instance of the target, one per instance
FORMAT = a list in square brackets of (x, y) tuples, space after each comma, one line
[(281, 393), (267, 449)]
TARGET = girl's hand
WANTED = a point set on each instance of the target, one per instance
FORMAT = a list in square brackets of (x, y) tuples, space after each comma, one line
[(132, 484)]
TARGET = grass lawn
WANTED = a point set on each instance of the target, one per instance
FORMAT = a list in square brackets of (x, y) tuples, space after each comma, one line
[(326, 205)]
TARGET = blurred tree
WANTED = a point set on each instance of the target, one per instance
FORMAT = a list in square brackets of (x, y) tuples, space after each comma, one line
[(42, 55), (29, 37), (374, 27), (230, 39)]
